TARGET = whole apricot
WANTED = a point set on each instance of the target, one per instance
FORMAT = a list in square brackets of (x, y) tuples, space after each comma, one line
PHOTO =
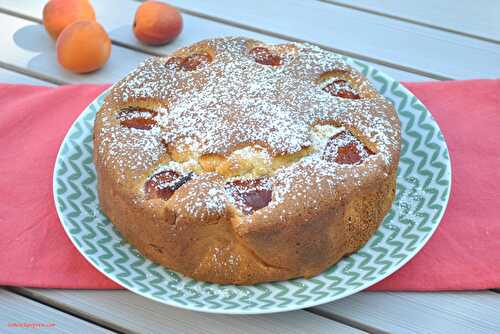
[(157, 23), (83, 46), (58, 14)]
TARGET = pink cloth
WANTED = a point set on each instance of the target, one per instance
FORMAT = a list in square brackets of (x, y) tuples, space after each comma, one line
[(464, 253)]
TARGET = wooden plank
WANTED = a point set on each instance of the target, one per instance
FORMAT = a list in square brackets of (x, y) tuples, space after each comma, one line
[(419, 312), (30, 49), (119, 26), (12, 77), (128, 312), (477, 19), (17, 313), (375, 38), (196, 29)]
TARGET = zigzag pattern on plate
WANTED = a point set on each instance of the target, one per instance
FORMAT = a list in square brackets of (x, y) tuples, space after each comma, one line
[(423, 186)]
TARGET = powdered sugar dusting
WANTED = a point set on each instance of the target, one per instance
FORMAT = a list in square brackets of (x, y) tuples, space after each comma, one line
[(234, 102), (129, 148), (205, 200)]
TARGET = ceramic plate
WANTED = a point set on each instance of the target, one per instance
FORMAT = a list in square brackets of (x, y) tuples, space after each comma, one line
[(423, 187)]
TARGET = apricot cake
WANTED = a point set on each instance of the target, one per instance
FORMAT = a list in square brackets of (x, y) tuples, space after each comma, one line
[(233, 161)]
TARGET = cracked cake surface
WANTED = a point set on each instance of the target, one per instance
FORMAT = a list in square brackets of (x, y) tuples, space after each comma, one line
[(233, 161)]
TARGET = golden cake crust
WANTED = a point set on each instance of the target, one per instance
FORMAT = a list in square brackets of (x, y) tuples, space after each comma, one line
[(233, 118)]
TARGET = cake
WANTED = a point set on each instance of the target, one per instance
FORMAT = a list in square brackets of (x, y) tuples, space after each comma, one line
[(236, 162)]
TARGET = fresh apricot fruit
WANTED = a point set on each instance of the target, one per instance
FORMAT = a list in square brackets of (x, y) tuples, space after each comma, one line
[(83, 46), (157, 23), (58, 14)]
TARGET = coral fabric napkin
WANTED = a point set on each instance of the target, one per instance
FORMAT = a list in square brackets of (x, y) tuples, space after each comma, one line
[(464, 253)]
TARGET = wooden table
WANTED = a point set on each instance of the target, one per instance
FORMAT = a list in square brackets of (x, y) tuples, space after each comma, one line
[(428, 40)]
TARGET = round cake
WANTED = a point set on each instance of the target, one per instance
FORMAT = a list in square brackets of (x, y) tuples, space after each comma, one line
[(236, 162)]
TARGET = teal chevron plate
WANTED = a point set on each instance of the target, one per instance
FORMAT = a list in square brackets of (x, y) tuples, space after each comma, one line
[(423, 187)]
